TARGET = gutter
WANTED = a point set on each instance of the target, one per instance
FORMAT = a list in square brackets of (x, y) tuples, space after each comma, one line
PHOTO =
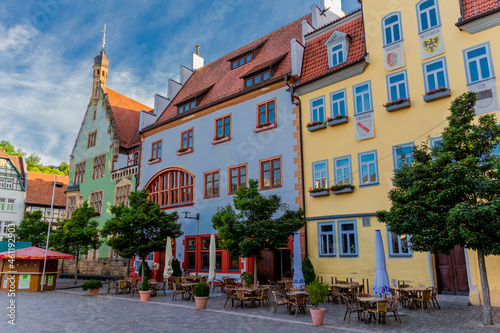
[(476, 17)]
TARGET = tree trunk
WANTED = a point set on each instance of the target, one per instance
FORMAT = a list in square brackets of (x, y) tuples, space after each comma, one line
[(76, 267), (143, 264), (254, 269), (487, 316)]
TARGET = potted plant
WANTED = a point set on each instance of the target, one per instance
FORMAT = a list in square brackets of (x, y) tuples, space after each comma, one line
[(93, 285), (246, 279), (317, 292), (145, 291), (176, 268), (201, 291)]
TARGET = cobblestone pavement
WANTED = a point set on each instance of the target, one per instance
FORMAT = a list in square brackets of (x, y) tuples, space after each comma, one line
[(72, 310)]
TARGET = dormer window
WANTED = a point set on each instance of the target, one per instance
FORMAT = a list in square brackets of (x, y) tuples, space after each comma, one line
[(187, 106), (262, 72), (257, 78), (192, 101), (245, 55), (245, 59), (338, 48)]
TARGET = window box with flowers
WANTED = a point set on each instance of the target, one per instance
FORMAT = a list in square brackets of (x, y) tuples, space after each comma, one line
[(154, 160), (437, 93), (398, 104), (315, 125), (342, 188), (184, 151), (318, 192), (264, 127), (220, 139), (337, 120)]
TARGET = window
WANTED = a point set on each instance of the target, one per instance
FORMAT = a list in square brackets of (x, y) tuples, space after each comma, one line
[(397, 86), (132, 159), (435, 74), (223, 127), (122, 193), (337, 54), (250, 81), (156, 150), (234, 262), (244, 59), (189, 105), (320, 174), (99, 167), (10, 205), (205, 254), (2, 183), (8, 184), (318, 109), (211, 184), (2, 204), (339, 103), (399, 151), (348, 238), (80, 173), (391, 28), (149, 260), (399, 245), (5, 225), (172, 187), (237, 178), (478, 65), (368, 169), (270, 173), (362, 97), (436, 142), (72, 204), (427, 15), (187, 139), (342, 170), (91, 139), (326, 239), (266, 113), (191, 253), (96, 201)]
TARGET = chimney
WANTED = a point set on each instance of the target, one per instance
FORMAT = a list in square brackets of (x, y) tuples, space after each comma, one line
[(329, 11), (297, 51), (306, 28), (196, 60)]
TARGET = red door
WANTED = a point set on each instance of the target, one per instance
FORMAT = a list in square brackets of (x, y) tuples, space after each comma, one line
[(452, 272)]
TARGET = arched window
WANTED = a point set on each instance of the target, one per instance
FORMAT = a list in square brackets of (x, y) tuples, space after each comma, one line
[(391, 27), (427, 15), (172, 187)]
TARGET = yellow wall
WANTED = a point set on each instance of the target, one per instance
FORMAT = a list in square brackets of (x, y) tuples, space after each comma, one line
[(414, 124)]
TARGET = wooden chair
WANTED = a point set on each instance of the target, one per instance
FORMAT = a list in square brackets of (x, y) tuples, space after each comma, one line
[(123, 286), (380, 310), (288, 285), (404, 296), (230, 295), (300, 303), (134, 287), (393, 307), (434, 291), (162, 286), (178, 291), (350, 307), (335, 294), (263, 297), (254, 286), (274, 285), (423, 299), (294, 290), (279, 299), (112, 284), (241, 297)]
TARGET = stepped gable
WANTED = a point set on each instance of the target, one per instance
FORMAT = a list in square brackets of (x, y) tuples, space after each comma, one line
[(40, 187), (471, 8)]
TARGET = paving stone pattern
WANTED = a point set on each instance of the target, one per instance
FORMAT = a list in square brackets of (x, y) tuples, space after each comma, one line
[(72, 310)]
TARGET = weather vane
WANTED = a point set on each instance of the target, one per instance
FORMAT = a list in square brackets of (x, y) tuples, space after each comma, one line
[(104, 36)]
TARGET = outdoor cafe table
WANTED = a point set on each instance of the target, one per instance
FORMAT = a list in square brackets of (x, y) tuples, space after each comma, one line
[(188, 286), (414, 291), (368, 302), (252, 292)]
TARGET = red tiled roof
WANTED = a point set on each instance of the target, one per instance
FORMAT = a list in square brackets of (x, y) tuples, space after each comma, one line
[(40, 187), (316, 55), (227, 82), (472, 8), (126, 114)]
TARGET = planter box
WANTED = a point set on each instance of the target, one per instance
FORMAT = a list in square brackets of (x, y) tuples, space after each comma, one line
[(442, 94), (188, 151), (344, 190), (338, 121), (316, 127), (265, 128), (157, 160), (398, 106), (224, 139), (319, 194)]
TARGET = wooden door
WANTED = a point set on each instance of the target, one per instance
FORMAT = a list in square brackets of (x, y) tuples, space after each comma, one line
[(265, 267), (452, 272)]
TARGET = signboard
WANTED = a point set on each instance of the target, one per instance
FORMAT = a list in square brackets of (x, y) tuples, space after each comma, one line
[(394, 56), (24, 281), (51, 281), (363, 126), (431, 43), (487, 99)]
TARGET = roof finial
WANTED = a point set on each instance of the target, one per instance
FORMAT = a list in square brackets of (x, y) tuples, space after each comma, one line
[(197, 49), (104, 36)]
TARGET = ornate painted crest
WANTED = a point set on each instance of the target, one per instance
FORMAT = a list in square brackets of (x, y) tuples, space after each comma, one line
[(364, 126), (431, 44)]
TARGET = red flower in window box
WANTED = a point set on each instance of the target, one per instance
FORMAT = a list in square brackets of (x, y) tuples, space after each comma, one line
[(317, 189), (337, 117), (396, 102), (339, 187), (219, 137), (314, 123), (437, 90)]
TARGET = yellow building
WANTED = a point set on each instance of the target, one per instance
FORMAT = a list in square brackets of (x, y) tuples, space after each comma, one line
[(421, 54)]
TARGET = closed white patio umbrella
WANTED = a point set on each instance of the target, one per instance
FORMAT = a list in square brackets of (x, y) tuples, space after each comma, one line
[(212, 256), (167, 272)]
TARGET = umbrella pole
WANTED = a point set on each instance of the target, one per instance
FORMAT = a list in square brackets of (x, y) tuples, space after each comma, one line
[(48, 234)]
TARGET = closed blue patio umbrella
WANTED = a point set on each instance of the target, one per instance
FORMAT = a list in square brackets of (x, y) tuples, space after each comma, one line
[(298, 277), (381, 285)]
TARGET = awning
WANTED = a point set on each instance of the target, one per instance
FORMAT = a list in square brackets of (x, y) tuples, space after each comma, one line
[(35, 253)]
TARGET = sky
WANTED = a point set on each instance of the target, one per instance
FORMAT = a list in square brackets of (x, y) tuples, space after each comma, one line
[(47, 49)]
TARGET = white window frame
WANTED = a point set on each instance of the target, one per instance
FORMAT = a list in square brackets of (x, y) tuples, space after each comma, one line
[(2, 183), (362, 94), (396, 158), (338, 102), (317, 109), (434, 73), (427, 11), (341, 233), (362, 164), (337, 54), (332, 234), (10, 205), (335, 39), (314, 173), (434, 141), (2, 204), (390, 26), (390, 243), (137, 262), (467, 61), (9, 184), (349, 170), (390, 97)]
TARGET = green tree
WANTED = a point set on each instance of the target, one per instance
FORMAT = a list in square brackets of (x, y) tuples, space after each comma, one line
[(78, 234), (9, 149), (451, 195), (141, 228), (33, 161), (252, 229), (32, 229), (64, 168)]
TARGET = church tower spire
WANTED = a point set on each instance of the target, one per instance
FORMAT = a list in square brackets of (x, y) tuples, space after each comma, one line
[(100, 70)]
